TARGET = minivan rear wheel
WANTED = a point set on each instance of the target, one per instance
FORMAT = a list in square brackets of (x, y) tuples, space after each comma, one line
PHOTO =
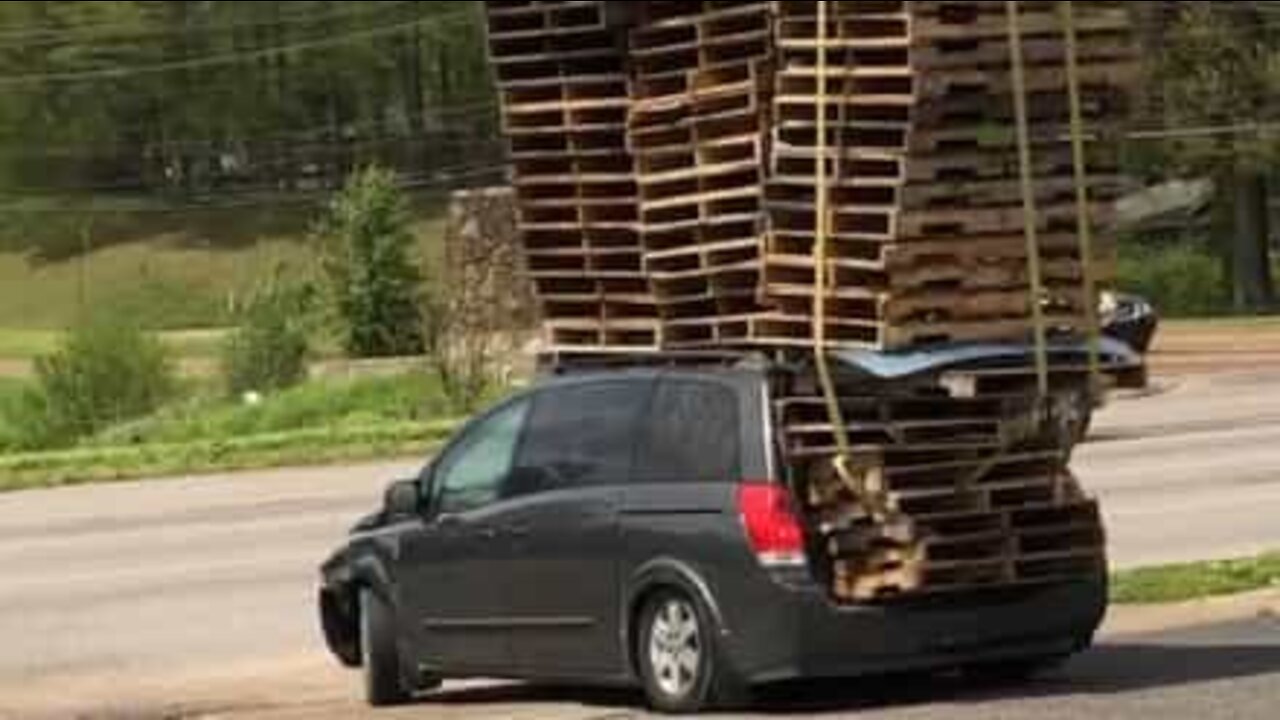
[(676, 655)]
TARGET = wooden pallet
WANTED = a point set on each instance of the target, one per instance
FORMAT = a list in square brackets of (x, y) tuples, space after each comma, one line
[(1004, 192), (698, 128), (561, 72), (959, 223), (982, 494), (640, 337), (506, 20), (923, 334), (1057, 274), (765, 329), (929, 55), (1053, 163), (569, 93), (977, 20)]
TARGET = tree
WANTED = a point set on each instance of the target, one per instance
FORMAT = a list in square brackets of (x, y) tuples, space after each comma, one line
[(1218, 68), (374, 282), (189, 102)]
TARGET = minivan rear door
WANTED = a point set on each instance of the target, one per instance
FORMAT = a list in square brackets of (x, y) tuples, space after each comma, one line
[(561, 519)]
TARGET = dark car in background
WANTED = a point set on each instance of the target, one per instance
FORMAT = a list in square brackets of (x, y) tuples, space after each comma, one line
[(1130, 319), (632, 527)]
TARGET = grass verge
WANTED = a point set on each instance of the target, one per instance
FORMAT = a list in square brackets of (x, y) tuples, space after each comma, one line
[(18, 344), (332, 404), (1195, 581), (11, 396), (27, 471), (326, 421)]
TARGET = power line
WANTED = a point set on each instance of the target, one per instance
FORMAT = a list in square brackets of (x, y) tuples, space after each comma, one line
[(434, 24), (54, 34), (487, 147), (251, 200), (349, 134), (467, 111)]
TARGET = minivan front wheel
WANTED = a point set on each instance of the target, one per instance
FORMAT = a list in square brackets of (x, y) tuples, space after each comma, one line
[(379, 655), (676, 654)]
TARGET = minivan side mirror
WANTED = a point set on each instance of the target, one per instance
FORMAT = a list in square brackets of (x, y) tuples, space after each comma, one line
[(402, 499)]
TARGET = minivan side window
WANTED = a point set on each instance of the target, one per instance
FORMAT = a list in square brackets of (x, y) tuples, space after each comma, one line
[(691, 435), (473, 472), (580, 436)]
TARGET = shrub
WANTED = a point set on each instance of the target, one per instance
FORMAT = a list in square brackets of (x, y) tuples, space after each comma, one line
[(106, 372), (1180, 280), (269, 350), (325, 403), (373, 280), (11, 437)]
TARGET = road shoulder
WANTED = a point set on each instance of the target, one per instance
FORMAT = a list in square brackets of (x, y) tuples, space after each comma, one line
[(1124, 620)]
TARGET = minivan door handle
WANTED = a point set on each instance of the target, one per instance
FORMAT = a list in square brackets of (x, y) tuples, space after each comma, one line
[(518, 532)]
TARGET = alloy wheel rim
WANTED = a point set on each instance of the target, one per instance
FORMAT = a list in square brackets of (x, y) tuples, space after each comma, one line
[(675, 648)]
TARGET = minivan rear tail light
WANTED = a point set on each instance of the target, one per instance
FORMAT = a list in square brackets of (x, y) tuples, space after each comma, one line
[(774, 531)]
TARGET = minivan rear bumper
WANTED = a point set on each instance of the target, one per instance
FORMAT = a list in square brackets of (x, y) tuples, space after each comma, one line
[(805, 635)]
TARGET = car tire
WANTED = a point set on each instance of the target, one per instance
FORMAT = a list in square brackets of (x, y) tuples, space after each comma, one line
[(678, 659), (380, 656)]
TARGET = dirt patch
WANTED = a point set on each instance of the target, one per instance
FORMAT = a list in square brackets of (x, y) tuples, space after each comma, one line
[(1144, 620), (15, 368), (1211, 347), (228, 691)]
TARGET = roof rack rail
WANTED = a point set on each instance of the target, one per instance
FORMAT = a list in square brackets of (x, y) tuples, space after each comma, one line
[(565, 363)]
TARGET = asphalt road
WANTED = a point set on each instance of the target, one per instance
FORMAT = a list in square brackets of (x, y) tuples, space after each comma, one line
[(177, 598), (1192, 473)]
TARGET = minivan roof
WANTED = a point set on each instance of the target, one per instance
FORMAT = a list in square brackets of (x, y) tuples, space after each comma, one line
[(565, 378)]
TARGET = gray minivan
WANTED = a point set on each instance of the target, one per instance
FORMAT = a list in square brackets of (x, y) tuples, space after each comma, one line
[(633, 527)]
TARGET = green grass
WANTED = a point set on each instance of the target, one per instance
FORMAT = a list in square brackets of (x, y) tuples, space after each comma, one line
[(27, 344), (1180, 280), (162, 285), (10, 387), (10, 394), (319, 423), (165, 278), (329, 404), (325, 421), (18, 344), (1194, 581), (304, 447)]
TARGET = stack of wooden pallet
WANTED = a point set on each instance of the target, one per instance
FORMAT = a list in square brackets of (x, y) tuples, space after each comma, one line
[(671, 163), (959, 266), (561, 72), (969, 472), (702, 79), (859, 73), (672, 153)]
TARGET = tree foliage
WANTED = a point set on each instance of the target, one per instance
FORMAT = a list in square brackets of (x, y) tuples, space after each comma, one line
[(185, 101), (270, 348), (1219, 67), (1217, 84), (374, 281), (107, 371)]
